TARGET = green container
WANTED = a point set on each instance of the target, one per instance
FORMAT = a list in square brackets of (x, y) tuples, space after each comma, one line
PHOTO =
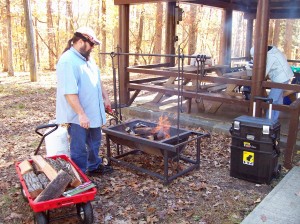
[(295, 69)]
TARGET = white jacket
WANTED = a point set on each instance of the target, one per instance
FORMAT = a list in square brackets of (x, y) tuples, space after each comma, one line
[(277, 66)]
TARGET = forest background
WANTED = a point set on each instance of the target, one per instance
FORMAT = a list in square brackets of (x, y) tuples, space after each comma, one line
[(54, 22)]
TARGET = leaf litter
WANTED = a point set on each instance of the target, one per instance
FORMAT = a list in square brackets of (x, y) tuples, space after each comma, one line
[(206, 195)]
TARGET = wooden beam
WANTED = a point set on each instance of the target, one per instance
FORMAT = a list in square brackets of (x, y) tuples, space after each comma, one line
[(260, 51), (127, 2), (170, 33), (124, 46)]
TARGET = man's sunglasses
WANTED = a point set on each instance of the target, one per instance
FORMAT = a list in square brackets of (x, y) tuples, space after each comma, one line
[(84, 39)]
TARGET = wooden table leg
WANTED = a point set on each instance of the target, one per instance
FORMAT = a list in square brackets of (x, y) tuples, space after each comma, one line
[(160, 95)]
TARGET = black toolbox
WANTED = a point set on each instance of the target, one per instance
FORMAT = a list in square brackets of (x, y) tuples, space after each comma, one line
[(255, 147)]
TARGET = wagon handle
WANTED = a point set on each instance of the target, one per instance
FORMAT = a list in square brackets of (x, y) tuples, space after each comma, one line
[(55, 126)]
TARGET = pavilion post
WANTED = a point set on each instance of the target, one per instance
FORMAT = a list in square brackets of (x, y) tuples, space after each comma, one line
[(170, 32), (260, 51), (124, 47)]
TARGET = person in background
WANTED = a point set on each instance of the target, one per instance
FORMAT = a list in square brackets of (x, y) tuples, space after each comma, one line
[(278, 70), (81, 101)]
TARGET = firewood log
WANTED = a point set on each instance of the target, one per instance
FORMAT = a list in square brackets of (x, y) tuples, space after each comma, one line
[(33, 184), (143, 131), (55, 188), (25, 167), (43, 179), (159, 135), (45, 167), (61, 164)]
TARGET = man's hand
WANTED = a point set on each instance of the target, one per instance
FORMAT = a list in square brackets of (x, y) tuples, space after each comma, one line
[(84, 121), (107, 103), (74, 102)]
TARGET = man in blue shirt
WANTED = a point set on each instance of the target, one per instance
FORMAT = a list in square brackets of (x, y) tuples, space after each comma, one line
[(81, 101)]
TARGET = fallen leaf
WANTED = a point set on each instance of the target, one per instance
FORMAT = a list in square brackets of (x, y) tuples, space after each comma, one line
[(263, 218), (257, 200), (14, 215)]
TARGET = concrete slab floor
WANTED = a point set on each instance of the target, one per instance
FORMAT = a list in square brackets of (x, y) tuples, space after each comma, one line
[(219, 122), (281, 205)]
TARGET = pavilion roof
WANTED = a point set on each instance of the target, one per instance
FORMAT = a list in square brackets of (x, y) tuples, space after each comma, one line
[(279, 9)]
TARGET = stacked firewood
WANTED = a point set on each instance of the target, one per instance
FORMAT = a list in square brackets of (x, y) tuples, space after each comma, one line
[(48, 178)]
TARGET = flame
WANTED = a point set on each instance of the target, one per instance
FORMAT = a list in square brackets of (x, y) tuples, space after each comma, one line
[(163, 126)]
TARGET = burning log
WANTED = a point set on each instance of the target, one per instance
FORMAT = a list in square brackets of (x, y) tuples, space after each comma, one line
[(160, 132), (143, 131), (159, 135)]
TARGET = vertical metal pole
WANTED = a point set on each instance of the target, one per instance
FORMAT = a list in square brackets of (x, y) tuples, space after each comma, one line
[(108, 148), (198, 152), (166, 174)]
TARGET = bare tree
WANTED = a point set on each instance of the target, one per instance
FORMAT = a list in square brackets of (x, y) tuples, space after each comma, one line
[(103, 32), (51, 36), (288, 38), (9, 40), (37, 43), (140, 36), (69, 19), (193, 27), (276, 33), (30, 41), (158, 31)]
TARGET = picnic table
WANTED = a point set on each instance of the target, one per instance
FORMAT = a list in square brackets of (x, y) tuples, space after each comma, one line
[(192, 85)]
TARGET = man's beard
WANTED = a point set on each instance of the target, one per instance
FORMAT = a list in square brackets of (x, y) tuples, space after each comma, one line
[(85, 53)]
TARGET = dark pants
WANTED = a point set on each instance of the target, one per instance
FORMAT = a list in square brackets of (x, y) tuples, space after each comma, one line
[(84, 147)]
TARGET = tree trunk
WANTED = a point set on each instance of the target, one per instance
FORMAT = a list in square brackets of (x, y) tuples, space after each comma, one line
[(37, 44), (69, 20), (271, 32), (51, 36), (9, 40), (103, 33), (288, 38), (276, 32), (158, 31), (30, 41), (222, 39), (192, 40), (139, 38)]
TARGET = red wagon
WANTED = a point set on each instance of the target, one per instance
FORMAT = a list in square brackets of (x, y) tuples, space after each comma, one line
[(42, 209)]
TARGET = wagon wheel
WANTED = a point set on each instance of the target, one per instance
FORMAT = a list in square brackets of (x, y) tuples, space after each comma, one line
[(85, 212), (40, 218)]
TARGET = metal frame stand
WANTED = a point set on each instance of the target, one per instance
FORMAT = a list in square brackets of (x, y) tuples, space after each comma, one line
[(166, 178)]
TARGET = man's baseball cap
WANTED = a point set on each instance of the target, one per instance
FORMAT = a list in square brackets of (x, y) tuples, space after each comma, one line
[(89, 34)]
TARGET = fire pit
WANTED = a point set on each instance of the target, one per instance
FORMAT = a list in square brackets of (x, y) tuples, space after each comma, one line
[(170, 147)]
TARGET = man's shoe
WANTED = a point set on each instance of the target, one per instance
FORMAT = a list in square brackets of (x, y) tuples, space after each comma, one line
[(100, 170)]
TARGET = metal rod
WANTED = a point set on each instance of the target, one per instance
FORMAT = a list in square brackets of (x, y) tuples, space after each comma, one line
[(119, 91), (112, 55), (155, 55)]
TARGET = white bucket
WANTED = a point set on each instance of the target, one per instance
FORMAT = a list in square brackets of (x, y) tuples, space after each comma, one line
[(57, 142)]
